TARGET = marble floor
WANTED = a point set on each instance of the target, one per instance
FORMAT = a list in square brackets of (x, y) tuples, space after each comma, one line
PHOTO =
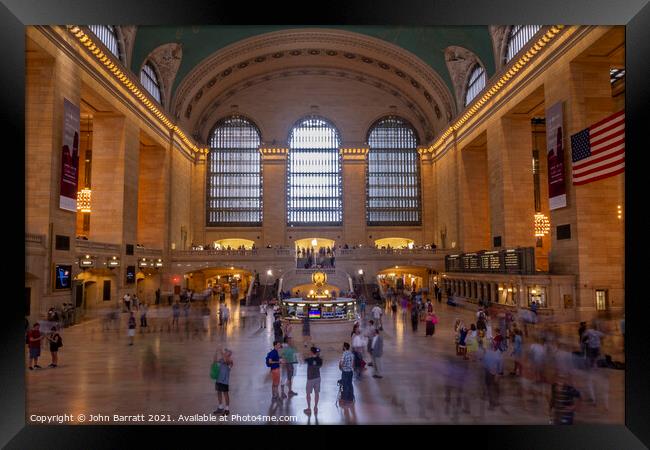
[(166, 374)]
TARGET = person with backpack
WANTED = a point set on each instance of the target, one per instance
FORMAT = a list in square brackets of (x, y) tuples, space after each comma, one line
[(273, 362), (220, 372), (55, 343)]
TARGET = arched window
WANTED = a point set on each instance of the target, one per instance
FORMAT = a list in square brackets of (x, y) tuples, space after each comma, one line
[(314, 174), (475, 83), (108, 35), (149, 81), (234, 174), (518, 37), (393, 182)]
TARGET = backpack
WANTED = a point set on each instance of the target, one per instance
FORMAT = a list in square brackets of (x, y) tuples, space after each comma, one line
[(59, 342), (214, 370)]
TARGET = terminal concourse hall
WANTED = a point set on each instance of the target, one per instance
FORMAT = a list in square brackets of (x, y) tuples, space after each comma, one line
[(195, 194)]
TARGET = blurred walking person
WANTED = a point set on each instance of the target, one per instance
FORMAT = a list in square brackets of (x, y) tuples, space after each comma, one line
[(314, 363), (222, 384)]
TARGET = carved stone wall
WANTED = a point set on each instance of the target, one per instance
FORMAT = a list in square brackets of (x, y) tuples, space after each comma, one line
[(166, 59), (460, 62)]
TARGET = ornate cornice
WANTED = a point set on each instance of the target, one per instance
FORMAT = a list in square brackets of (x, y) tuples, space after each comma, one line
[(500, 81), (331, 43), (353, 154), (205, 120), (274, 153), (113, 68)]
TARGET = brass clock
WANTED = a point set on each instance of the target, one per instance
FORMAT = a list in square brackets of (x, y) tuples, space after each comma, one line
[(319, 278)]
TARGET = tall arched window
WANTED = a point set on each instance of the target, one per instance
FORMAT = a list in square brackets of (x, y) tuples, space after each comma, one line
[(108, 35), (393, 192), (518, 37), (149, 81), (475, 83), (314, 174), (234, 174)]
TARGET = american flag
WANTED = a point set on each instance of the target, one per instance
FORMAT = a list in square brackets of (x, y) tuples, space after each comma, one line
[(599, 151)]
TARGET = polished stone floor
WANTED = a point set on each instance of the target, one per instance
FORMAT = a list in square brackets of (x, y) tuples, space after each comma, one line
[(166, 372)]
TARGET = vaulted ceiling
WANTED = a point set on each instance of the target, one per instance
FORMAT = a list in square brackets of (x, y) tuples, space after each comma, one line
[(209, 70)]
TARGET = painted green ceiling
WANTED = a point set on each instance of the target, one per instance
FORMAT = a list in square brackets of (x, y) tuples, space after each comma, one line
[(428, 43)]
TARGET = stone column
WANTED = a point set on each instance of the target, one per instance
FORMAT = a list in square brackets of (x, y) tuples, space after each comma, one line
[(354, 194), (429, 198), (198, 200), (274, 196), (511, 199)]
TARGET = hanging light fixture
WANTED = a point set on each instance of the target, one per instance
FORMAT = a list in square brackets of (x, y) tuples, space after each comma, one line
[(83, 200), (542, 225)]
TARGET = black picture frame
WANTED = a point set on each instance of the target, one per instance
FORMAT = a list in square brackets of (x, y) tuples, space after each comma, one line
[(635, 14)]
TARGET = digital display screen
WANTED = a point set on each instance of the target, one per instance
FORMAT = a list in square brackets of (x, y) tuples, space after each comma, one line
[(130, 274), (314, 313), (62, 276)]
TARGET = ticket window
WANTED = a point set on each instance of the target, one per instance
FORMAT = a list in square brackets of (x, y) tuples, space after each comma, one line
[(328, 311)]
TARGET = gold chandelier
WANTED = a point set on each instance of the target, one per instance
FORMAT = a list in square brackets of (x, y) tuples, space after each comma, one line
[(542, 225), (83, 200)]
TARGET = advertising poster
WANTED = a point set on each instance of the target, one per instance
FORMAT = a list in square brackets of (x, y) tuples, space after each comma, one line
[(555, 157), (69, 157)]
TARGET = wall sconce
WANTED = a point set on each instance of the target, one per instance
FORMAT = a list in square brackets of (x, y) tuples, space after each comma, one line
[(86, 262), (360, 272), (159, 263), (269, 272), (113, 262), (143, 263)]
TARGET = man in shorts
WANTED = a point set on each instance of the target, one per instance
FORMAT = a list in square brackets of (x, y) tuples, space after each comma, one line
[(273, 362), (34, 338), (314, 363)]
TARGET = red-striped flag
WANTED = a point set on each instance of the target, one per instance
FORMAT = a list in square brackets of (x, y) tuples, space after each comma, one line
[(599, 151)]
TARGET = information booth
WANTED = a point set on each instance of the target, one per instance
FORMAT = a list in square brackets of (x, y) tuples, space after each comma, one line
[(321, 309)]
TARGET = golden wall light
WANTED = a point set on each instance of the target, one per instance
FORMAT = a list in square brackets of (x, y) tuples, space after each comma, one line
[(542, 225), (83, 200)]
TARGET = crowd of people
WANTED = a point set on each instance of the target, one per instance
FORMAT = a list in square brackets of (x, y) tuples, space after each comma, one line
[(308, 258)]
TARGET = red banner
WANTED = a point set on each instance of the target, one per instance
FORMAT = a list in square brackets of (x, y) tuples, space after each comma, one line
[(555, 157), (69, 157)]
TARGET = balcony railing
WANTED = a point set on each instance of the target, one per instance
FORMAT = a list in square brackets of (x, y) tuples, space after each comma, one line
[(233, 254), (145, 251), (38, 239), (93, 246)]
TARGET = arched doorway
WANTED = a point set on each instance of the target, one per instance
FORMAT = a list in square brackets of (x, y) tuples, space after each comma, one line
[(405, 279)]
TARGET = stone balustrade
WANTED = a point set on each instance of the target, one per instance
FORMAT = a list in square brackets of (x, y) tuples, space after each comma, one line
[(84, 246), (31, 238)]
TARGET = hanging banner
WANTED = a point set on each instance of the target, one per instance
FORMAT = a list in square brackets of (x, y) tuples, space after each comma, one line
[(69, 157), (555, 157)]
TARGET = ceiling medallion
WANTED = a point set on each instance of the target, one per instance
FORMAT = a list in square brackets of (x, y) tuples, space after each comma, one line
[(260, 59), (384, 66), (350, 55), (278, 55), (314, 52), (242, 65), (399, 73), (332, 53), (366, 60), (295, 52), (226, 72)]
